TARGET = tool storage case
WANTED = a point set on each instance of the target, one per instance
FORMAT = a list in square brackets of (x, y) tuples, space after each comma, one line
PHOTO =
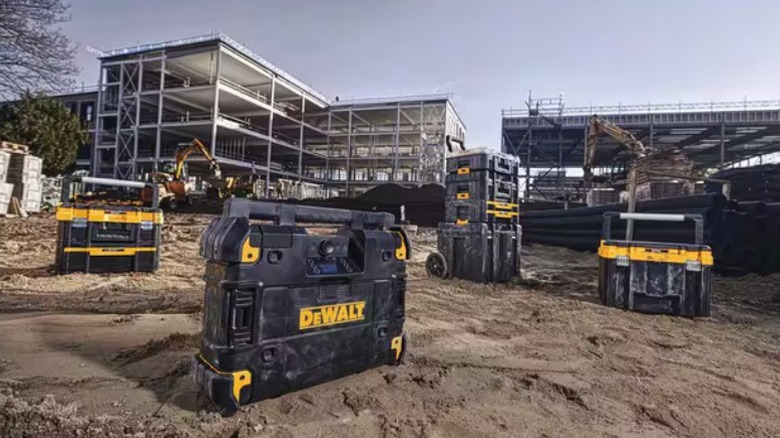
[(285, 309), (496, 162), (478, 253), (472, 211), (652, 277), (102, 237), (485, 189)]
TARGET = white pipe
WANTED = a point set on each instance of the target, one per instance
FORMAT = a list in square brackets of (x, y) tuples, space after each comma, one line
[(653, 217), (112, 182)]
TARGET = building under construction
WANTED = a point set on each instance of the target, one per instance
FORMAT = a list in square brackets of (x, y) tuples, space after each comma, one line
[(550, 137), (256, 117)]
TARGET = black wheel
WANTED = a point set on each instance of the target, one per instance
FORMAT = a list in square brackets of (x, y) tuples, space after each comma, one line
[(436, 265), (173, 204)]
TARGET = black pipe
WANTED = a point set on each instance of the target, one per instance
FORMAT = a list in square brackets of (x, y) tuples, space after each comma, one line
[(713, 200)]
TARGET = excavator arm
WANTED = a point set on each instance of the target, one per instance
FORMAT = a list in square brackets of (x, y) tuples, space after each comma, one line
[(598, 126), (195, 146)]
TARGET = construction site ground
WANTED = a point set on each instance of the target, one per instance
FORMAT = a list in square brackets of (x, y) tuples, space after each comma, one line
[(108, 355)]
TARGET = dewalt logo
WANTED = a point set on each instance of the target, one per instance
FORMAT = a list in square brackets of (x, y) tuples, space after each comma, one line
[(322, 316)]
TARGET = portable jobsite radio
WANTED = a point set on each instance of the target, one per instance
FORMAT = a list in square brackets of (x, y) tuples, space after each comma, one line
[(480, 238), (285, 309), (652, 277), (108, 230)]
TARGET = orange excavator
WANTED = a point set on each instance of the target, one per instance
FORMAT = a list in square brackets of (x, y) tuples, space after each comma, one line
[(173, 183)]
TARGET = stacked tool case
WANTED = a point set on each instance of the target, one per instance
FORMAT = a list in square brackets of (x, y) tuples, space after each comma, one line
[(108, 235), (480, 238)]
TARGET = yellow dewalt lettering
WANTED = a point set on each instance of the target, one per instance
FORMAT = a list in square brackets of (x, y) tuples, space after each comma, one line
[(322, 316)]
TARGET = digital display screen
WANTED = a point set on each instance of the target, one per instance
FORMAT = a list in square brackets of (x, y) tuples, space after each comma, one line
[(328, 268)]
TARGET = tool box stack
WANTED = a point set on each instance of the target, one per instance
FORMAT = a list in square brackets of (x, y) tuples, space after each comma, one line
[(480, 240)]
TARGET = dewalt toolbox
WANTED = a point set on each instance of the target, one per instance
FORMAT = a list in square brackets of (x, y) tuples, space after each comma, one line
[(285, 309), (483, 159), (492, 178), (485, 189), (652, 277), (108, 235), (476, 252), (472, 210)]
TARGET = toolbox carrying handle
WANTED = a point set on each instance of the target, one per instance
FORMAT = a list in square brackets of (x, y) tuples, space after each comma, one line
[(606, 228), (69, 180), (289, 214)]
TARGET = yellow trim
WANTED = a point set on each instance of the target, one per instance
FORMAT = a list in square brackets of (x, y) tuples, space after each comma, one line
[(240, 378), (663, 255), (461, 221), (249, 254), (502, 214), (121, 251), (397, 346), (400, 252), (464, 171), (502, 205), (67, 214), (463, 196)]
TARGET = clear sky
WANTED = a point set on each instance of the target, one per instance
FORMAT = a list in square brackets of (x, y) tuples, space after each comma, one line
[(489, 53)]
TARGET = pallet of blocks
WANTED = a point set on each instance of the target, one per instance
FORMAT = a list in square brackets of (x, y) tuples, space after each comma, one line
[(25, 172)]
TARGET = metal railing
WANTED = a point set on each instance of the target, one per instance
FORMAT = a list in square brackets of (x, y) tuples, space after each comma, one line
[(650, 108)]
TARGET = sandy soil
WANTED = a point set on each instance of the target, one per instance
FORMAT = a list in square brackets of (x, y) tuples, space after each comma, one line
[(90, 355)]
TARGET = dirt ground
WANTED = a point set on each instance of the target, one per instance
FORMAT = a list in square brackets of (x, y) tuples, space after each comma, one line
[(93, 355)]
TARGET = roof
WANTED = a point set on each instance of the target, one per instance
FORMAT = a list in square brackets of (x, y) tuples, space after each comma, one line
[(214, 37)]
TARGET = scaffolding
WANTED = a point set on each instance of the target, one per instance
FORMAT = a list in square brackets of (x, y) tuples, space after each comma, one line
[(258, 118)]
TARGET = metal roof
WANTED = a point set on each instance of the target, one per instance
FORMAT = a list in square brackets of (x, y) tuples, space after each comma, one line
[(745, 129), (214, 37)]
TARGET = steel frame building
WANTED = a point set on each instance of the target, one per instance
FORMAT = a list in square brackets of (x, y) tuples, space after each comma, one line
[(258, 118), (549, 137)]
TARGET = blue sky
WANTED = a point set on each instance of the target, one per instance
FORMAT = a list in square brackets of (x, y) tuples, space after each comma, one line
[(489, 53)]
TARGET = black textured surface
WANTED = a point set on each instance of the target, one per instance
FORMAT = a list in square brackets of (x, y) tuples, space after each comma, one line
[(254, 312)]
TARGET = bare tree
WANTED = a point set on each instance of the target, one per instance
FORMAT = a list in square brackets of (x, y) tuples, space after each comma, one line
[(34, 52)]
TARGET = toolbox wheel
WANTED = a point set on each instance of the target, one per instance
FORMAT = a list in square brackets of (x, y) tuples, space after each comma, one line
[(228, 411), (436, 265)]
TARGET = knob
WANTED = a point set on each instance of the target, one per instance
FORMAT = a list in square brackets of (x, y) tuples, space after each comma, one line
[(327, 247)]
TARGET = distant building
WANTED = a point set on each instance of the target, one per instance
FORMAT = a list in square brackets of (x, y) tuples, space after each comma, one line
[(253, 115)]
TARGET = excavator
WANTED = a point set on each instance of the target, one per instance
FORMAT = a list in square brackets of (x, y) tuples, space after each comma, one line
[(598, 126), (175, 190)]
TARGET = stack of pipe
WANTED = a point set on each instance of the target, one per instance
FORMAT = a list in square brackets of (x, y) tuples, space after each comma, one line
[(745, 237)]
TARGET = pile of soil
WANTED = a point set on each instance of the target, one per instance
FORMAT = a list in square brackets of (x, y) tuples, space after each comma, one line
[(539, 358)]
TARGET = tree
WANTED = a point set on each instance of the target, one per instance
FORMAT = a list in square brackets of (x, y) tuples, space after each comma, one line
[(34, 53), (51, 131)]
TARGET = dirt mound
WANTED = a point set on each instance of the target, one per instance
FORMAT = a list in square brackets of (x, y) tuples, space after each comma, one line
[(49, 418), (175, 341)]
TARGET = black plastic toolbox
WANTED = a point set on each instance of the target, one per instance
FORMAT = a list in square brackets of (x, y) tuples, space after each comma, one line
[(106, 238), (485, 189), (285, 309), (474, 211), (469, 161), (653, 277), (478, 253)]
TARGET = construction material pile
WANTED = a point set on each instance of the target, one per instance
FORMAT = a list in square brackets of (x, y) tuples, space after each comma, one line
[(423, 205), (757, 183), (20, 180), (741, 234)]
